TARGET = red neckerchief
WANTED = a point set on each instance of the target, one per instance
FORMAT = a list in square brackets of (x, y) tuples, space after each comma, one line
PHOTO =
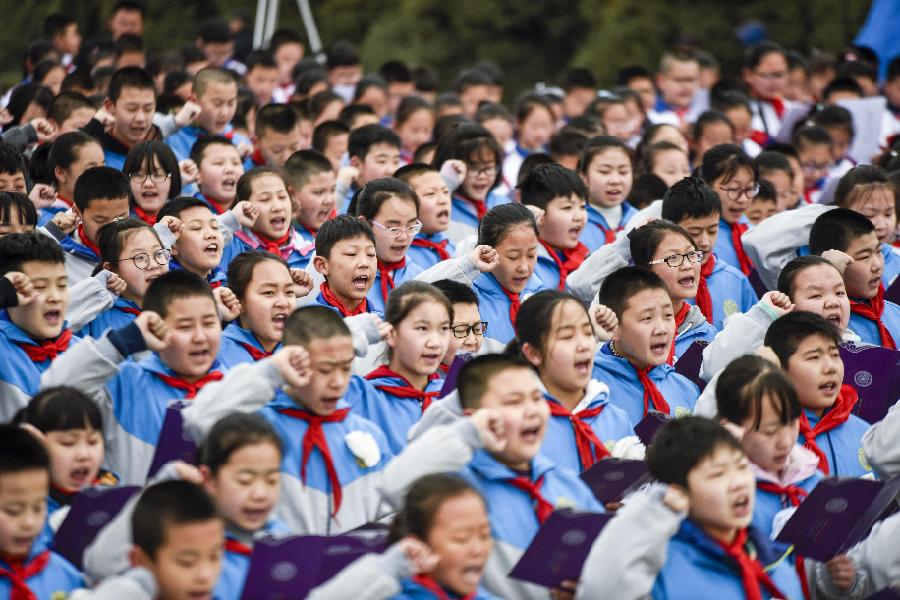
[(514, 304), (387, 279), (237, 548), (480, 205), (746, 264), (835, 417), (590, 448), (704, 300), (752, 573), (873, 311), (760, 137), (192, 389), (428, 582), (444, 368), (315, 438), (331, 299), (274, 246), (128, 309), (255, 353), (680, 316), (542, 508), (777, 105), (257, 157), (795, 495), (47, 349), (405, 391), (652, 396), (573, 259), (86, 242), (219, 207), (144, 216), (20, 571), (439, 247), (65, 200)]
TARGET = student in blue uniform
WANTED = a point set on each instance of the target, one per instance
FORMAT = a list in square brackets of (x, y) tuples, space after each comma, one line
[(421, 316), (466, 329), (807, 347), (154, 176), (71, 154), (311, 184), (607, 167), (201, 242), (723, 290), (431, 245), (535, 123), (633, 362), (345, 257), (391, 209), (374, 151), (28, 569), (875, 320), (132, 250), (554, 334), (267, 294), (219, 168)]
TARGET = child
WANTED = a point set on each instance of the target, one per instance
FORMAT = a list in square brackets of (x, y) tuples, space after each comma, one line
[(132, 250), (70, 111), (262, 76), (535, 124), (331, 138), (776, 168), (678, 80), (874, 319), (374, 152), (558, 341), (311, 185), (765, 72), (764, 205), (219, 167), (345, 257), (277, 136), (815, 149), (33, 333), (180, 324), (807, 348), (17, 214), (467, 329), (391, 208), (694, 528), (711, 129), (70, 155), (264, 287), (131, 101), (633, 362), (607, 167), (735, 178), (200, 245), (431, 245), (155, 179), (838, 122), (28, 569), (272, 231), (414, 125), (667, 161), (421, 316)]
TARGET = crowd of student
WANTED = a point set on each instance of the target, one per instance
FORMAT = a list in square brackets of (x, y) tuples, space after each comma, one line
[(358, 301)]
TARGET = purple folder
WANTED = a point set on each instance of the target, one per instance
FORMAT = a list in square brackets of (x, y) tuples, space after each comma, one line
[(892, 294), (757, 284), (291, 567), (650, 425), (456, 366), (689, 363), (888, 593), (837, 515), (612, 478), (174, 442), (875, 374), (90, 511), (559, 548)]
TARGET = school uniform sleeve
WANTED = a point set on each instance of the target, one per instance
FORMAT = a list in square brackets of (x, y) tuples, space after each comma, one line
[(228, 224), (586, 280), (820, 581), (371, 577), (445, 411), (774, 242), (630, 551), (136, 584), (20, 137), (87, 366), (743, 334), (317, 280), (365, 334), (461, 269), (880, 443), (649, 212), (87, 299), (166, 124)]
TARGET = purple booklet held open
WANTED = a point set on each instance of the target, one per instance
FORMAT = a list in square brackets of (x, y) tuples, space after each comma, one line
[(874, 372), (650, 425), (612, 478), (559, 548), (291, 567), (174, 443), (90, 511), (888, 593), (892, 294), (837, 515), (459, 361), (690, 362)]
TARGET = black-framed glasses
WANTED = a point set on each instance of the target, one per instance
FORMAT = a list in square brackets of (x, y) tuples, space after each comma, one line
[(142, 259), (463, 331), (477, 171), (676, 260), (735, 193), (156, 177)]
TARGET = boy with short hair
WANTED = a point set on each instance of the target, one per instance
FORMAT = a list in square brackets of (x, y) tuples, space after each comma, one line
[(345, 257), (763, 205), (689, 536), (677, 80), (331, 138), (28, 569), (580, 87), (70, 111), (807, 347), (200, 246), (17, 214), (62, 31), (473, 87), (311, 184), (467, 329), (776, 168), (633, 362), (874, 319), (180, 325), (13, 168), (261, 76), (277, 136), (375, 153), (838, 122), (815, 149), (219, 167), (431, 245), (216, 42), (344, 69)]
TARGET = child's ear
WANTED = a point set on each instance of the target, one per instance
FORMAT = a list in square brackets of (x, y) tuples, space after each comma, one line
[(60, 173), (532, 354), (355, 162), (138, 558), (108, 105), (391, 339), (207, 475), (320, 264)]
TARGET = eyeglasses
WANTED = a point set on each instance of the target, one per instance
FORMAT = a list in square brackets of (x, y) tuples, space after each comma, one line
[(479, 171), (735, 193), (463, 331), (397, 232), (142, 261), (814, 168), (156, 177), (676, 260)]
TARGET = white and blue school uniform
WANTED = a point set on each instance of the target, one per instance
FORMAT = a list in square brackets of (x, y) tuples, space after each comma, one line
[(81, 260), (407, 272), (891, 264), (513, 161), (610, 425), (495, 306), (547, 268), (123, 312), (730, 292), (598, 231), (694, 328), (307, 507), (370, 308), (345, 203), (724, 248), (616, 372), (464, 216), (422, 252), (216, 278), (58, 206), (236, 561), (239, 345), (842, 446), (867, 330), (184, 139), (412, 590), (57, 578), (697, 567), (297, 251)]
